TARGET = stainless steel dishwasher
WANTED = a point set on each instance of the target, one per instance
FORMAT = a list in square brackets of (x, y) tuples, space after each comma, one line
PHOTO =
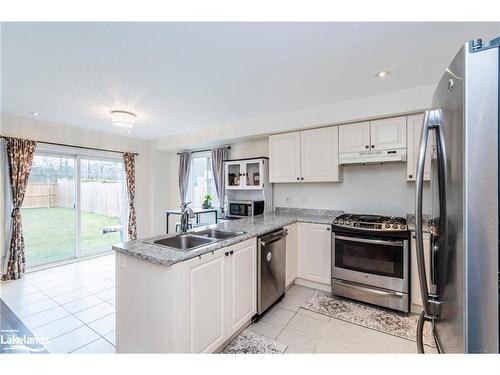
[(271, 264)]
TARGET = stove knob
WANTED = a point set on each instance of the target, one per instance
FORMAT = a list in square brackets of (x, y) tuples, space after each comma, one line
[(395, 226), (387, 226), (347, 223), (403, 227), (335, 222), (341, 222)]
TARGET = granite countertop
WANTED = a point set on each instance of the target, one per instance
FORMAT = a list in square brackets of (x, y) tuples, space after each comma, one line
[(252, 226)]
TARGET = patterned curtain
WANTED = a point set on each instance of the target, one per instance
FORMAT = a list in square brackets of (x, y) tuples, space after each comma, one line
[(129, 161), (20, 154)]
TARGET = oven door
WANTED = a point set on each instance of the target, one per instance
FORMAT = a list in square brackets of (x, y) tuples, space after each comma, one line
[(371, 260), (238, 209)]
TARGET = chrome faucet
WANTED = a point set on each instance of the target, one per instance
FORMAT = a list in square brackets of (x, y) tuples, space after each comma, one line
[(186, 213)]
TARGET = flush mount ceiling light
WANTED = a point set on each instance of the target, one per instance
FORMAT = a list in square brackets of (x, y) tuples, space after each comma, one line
[(123, 119), (383, 73), (35, 113)]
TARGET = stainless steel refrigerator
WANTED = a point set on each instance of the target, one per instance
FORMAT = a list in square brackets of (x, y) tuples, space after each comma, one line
[(461, 300)]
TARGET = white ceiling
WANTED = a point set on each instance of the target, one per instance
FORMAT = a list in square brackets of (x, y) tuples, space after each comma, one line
[(181, 77)]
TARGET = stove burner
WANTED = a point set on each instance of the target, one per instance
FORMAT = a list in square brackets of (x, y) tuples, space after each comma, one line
[(372, 222)]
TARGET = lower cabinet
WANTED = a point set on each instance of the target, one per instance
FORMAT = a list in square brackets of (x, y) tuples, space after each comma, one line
[(221, 289), (315, 252), (416, 298), (291, 254)]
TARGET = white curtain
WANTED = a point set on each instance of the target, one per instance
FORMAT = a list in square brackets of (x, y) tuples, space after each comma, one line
[(218, 157), (184, 167)]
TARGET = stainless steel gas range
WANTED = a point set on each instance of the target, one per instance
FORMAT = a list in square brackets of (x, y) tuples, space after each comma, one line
[(370, 260)]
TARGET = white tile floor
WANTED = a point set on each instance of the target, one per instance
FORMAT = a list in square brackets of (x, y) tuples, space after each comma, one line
[(74, 306)]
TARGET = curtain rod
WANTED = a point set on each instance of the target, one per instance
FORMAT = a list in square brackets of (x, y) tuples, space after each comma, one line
[(83, 147), (205, 150)]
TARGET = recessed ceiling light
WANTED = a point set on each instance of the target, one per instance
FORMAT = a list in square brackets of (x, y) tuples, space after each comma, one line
[(123, 119), (35, 113), (383, 73)]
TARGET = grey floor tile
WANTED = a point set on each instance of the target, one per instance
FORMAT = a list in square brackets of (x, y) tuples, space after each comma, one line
[(71, 296), (45, 317), (34, 308), (265, 329), (104, 325), (58, 327), (278, 316), (296, 343), (99, 346), (96, 312), (72, 340), (107, 294), (111, 337), (82, 303)]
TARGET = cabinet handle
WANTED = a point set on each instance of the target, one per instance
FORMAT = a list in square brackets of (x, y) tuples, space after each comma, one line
[(302, 178), (328, 229), (298, 178), (366, 146), (410, 176), (231, 252), (373, 146), (226, 253)]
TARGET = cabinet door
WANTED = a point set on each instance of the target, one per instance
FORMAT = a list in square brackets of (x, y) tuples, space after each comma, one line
[(284, 157), (253, 174), (354, 137), (291, 254), (319, 155), (241, 283), (416, 298), (316, 252), (206, 287), (414, 130), (388, 133), (234, 175)]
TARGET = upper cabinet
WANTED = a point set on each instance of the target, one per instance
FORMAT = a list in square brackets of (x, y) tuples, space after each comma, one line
[(249, 174), (389, 133), (414, 130), (354, 137), (304, 156), (284, 157)]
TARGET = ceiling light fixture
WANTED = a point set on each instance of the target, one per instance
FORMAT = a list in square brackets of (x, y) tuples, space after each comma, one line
[(123, 119), (383, 73), (35, 113)]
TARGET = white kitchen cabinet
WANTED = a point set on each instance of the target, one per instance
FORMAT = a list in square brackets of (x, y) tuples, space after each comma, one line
[(414, 130), (284, 157), (319, 161), (384, 134), (315, 253), (416, 298), (388, 133), (207, 301), (354, 137), (248, 174), (304, 156), (241, 284), (291, 254)]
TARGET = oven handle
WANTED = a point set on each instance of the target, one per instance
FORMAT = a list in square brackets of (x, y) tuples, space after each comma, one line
[(369, 290), (376, 242)]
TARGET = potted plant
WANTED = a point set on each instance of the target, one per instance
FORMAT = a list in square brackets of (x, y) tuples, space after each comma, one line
[(207, 202)]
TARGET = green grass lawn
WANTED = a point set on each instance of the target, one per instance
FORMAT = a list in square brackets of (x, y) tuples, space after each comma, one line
[(49, 234)]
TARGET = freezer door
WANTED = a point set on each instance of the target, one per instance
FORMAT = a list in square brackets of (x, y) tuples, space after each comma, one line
[(464, 264)]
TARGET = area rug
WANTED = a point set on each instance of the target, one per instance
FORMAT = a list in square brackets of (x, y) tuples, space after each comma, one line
[(376, 318), (248, 342)]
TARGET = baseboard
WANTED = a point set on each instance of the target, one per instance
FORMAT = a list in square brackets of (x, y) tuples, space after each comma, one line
[(313, 284)]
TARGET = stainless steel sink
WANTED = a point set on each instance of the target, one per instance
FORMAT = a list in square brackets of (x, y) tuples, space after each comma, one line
[(185, 242), (218, 234)]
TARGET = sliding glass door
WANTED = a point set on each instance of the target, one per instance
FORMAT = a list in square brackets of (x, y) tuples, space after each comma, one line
[(74, 206), (48, 212), (101, 205)]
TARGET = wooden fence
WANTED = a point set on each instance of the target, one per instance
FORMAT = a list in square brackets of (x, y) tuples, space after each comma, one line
[(96, 197)]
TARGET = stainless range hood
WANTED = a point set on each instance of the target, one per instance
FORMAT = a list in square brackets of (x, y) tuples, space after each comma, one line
[(373, 157)]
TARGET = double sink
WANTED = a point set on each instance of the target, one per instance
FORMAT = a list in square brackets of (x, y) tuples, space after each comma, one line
[(195, 239)]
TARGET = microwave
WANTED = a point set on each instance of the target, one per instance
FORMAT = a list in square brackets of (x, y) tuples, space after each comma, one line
[(245, 208)]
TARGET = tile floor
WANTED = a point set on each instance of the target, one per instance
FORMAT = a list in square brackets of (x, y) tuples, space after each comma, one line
[(305, 331), (73, 305)]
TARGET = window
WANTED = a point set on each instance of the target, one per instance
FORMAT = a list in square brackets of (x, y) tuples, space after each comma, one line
[(201, 180), (75, 205)]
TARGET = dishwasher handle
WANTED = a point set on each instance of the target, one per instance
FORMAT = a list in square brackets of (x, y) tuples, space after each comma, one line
[(273, 237)]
